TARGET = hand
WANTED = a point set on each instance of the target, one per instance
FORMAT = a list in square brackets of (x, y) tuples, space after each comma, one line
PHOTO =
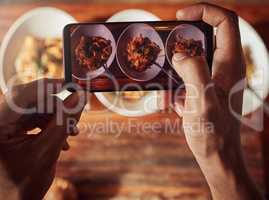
[(212, 131), (207, 97), (29, 160)]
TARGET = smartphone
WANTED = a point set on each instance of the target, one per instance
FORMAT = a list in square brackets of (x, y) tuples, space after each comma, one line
[(129, 56)]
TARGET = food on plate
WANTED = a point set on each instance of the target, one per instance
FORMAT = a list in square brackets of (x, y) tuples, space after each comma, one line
[(250, 67), (61, 189), (93, 52), (39, 58), (133, 95), (189, 46), (141, 53)]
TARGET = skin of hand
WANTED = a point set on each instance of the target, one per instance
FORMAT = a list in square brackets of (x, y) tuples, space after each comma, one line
[(208, 103), (29, 160)]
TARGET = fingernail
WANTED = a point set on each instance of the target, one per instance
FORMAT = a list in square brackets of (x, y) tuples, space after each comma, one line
[(179, 56)]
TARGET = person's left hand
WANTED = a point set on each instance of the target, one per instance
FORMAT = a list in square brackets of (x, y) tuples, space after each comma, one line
[(29, 160)]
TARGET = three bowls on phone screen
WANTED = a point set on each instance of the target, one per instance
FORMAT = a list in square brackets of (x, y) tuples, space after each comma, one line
[(134, 38)]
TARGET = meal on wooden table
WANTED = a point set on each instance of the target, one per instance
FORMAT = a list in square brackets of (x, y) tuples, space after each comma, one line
[(189, 46), (142, 53), (39, 58), (93, 52)]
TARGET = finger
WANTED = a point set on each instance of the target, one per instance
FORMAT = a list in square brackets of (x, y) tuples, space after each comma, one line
[(8, 144), (29, 122), (225, 20), (32, 93), (228, 59), (35, 121), (52, 139), (25, 100), (193, 70), (57, 131), (195, 74)]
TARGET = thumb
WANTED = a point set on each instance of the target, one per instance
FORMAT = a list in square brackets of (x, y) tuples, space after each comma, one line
[(193, 70), (195, 73), (57, 130)]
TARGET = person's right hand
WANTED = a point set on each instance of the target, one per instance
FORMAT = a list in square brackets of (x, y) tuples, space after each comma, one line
[(211, 129), (207, 96)]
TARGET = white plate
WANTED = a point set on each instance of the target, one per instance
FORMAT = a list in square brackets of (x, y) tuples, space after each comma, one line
[(40, 22), (131, 108), (133, 15), (260, 79)]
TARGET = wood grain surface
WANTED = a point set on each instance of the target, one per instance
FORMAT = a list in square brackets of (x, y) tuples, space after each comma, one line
[(138, 163)]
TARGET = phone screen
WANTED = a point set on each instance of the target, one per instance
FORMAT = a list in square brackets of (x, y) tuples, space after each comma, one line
[(128, 56)]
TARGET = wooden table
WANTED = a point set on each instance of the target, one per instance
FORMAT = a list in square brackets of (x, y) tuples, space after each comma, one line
[(139, 165)]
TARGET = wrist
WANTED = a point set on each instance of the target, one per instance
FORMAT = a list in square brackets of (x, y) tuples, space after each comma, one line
[(227, 174)]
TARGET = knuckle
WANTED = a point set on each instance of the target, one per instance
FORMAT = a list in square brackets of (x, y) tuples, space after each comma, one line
[(230, 15)]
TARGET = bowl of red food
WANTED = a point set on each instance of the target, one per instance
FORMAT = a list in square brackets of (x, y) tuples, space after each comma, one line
[(185, 38), (93, 50), (140, 52)]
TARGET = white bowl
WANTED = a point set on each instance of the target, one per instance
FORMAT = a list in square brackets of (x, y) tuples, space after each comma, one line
[(133, 15), (260, 79), (40, 22), (132, 108)]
